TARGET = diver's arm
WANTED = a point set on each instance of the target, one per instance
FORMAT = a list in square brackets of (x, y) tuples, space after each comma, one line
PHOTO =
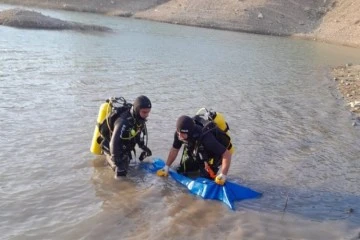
[(172, 156), (164, 172), (119, 138), (174, 150), (226, 160)]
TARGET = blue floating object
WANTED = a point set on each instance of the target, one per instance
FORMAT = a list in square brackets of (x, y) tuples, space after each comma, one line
[(153, 166), (206, 188)]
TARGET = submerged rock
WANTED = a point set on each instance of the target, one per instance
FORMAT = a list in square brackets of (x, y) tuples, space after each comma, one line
[(30, 19)]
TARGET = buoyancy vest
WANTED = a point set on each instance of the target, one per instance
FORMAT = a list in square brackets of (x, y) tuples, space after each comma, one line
[(215, 123), (194, 152), (119, 107)]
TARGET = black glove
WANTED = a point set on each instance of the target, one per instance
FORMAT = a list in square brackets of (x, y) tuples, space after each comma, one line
[(145, 153)]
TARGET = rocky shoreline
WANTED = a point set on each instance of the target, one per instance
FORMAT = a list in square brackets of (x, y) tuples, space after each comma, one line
[(348, 84), (30, 19)]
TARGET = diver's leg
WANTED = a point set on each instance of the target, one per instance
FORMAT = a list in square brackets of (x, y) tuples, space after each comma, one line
[(122, 165), (105, 146)]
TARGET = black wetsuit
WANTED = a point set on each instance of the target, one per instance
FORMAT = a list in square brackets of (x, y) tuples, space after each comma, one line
[(200, 147), (126, 134)]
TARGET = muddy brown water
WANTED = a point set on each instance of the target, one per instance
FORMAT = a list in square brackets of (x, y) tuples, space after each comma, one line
[(294, 138)]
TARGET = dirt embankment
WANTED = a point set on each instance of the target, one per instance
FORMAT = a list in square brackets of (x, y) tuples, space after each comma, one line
[(333, 21)]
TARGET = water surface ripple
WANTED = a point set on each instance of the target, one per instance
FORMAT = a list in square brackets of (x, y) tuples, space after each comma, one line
[(293, 134)]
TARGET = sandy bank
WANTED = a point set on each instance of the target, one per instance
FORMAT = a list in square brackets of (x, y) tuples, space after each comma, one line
[(333, 21)]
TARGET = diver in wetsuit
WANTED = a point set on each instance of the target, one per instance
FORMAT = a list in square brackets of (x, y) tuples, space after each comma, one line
[(206, 150), (129, 130)]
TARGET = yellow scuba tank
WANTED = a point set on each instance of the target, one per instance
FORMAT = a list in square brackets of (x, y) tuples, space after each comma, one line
[(219, 120), (215, 117), (104, 110)]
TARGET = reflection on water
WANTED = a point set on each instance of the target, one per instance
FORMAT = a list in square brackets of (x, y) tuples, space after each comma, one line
[(293, 135)]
